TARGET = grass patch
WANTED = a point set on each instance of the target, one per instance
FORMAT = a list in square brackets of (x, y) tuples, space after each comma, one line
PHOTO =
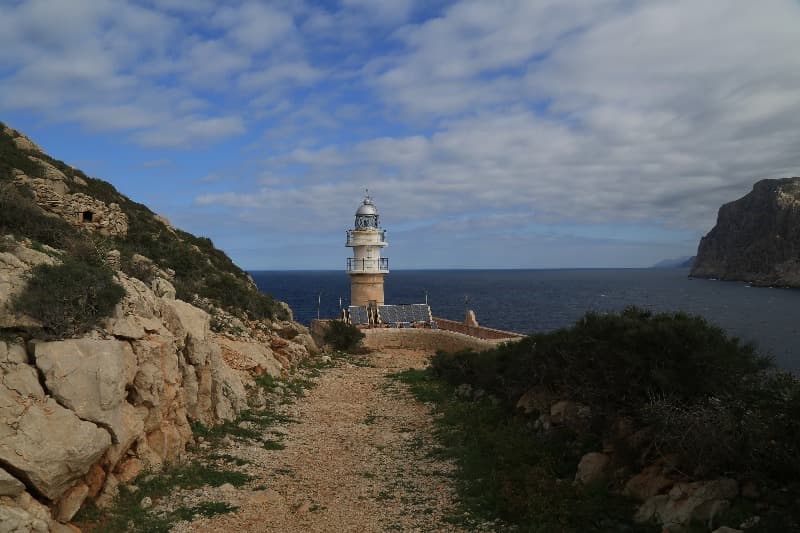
[(206, 509), (128, 515), (505, 471), (271, 444)]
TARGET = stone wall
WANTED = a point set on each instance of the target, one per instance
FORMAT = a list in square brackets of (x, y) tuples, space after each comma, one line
[(475, 331), (430, 340), (78, 209), (422, 339)]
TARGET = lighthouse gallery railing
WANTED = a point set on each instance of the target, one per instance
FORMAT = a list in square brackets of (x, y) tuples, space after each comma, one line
[(367, 265)]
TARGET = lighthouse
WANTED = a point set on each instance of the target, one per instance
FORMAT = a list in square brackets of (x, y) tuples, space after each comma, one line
[(366, 268)]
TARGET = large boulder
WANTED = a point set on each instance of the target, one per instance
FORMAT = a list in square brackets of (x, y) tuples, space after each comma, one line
[(252, 356), (650, 482), (592, 468), (699, 501), (229, 395), (9, 485), (12, 353), (89, 377), (46, 445), (184, 320), (14, 519)]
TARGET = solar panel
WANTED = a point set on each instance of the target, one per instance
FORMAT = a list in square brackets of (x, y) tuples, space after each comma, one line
[(392, 314), (358, 314)]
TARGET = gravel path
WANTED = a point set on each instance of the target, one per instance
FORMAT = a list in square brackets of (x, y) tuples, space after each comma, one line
[(356, 460)]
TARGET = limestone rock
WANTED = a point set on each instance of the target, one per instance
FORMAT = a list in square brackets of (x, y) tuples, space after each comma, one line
[(163, 288), (251, 356), (593, 467), (284, 306), (756, 238), (184, 320), (70, 502), (9, 485), (648, 483), (129, 469), (305, 340), (46, 443), (535, 400), (95, 478), (686, 502), (13, 519), (23, 380), (12, 353), (126, 327), (570, 414), (139, 300), (34, 507), (22, 142), (230, 396), (89, 377), (109, 492)]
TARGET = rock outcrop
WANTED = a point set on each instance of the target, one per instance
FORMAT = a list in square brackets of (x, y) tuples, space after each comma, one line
[(80, 416), (756, 238), (86, 414)]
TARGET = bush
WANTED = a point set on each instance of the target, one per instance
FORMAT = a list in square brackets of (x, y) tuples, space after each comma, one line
[(703, 396), (343, 336), (70, 298), (615, 362)]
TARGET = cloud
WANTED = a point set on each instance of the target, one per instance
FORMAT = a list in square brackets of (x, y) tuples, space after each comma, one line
[(144, 69), (455, 113)]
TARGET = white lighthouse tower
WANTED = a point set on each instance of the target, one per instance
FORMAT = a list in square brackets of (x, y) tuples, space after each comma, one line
[(367, 268)]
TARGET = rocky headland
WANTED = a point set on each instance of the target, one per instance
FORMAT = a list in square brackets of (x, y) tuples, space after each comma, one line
[(756, 238), (90, 398)]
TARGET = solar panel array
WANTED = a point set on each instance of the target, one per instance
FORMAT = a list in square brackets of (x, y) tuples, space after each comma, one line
[(358, 314), (391, 314)]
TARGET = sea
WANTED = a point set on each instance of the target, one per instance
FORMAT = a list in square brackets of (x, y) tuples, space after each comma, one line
[(527, 301)]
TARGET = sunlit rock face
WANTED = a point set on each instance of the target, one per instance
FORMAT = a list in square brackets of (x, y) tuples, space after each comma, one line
[(756, 238)]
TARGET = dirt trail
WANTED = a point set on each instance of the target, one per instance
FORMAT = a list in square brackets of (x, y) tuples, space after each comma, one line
[(356, 460)]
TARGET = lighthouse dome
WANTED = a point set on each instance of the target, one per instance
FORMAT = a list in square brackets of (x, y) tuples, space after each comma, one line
[(367, 208)]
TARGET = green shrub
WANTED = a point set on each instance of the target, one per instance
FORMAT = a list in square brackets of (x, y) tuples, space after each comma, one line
[(342, 336), (69, 298), (614, 361), (705, 398)]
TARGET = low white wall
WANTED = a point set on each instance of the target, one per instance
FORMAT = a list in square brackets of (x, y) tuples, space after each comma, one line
[(424, 339)]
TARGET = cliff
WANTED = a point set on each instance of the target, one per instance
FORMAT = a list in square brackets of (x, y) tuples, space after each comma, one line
[(756, 238), (118, 334)]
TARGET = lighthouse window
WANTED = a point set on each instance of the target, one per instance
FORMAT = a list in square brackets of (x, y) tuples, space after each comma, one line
[(87, 216)]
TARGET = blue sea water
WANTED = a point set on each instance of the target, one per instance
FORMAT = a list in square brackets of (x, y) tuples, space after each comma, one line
[(528, 301)]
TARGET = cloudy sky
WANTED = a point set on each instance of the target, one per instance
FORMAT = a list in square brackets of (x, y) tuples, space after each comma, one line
[(491, 133)]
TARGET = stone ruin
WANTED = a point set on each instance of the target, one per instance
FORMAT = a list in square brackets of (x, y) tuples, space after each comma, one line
[(78, 209)]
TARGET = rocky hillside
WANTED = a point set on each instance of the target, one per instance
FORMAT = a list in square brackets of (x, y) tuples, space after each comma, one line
[(757, 237), (118, 335)]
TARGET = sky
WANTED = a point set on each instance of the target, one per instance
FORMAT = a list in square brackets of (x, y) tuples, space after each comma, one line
[(491, 133)]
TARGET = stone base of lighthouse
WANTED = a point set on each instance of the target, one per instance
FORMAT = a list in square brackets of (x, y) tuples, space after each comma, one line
[(366, 287)]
